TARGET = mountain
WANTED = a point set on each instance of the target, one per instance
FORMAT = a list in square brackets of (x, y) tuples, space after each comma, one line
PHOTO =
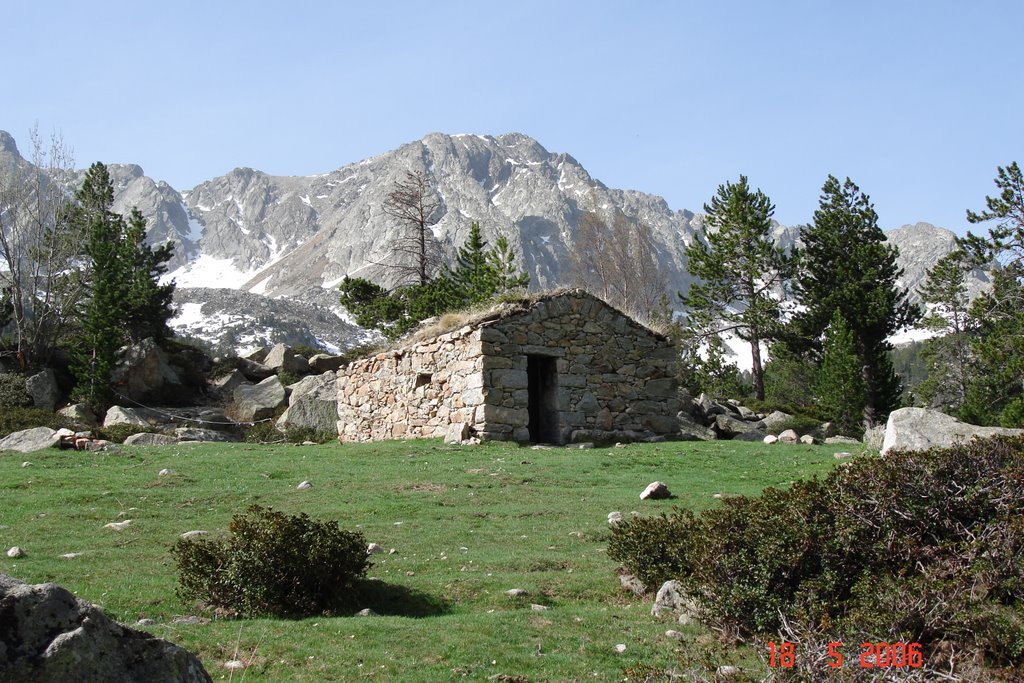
[(292, 239)]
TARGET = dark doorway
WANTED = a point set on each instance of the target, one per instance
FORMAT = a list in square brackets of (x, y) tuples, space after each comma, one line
[(542, 374)]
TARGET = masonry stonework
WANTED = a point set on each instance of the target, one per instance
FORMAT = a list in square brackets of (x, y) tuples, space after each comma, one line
[(565, 367)]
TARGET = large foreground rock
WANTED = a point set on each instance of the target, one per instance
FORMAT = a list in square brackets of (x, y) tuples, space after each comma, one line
[(29, 440), (918, 429), (119, 415), (313, 404), (47, 635), (282, 359)]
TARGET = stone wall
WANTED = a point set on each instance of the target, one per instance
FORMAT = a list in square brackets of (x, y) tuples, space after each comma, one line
[(613, 378), (412, 392)]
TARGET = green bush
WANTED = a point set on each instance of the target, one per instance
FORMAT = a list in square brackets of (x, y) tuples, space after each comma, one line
[(12, 391), (923, 547), (272, 564), (801, 424), (118, 433), (653, 548), (265, 431), (16, 419)]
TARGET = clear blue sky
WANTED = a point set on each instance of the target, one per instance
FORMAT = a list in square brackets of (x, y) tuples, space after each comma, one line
[(917, 102)]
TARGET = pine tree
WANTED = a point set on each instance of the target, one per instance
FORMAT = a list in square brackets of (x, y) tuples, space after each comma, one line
[(473, 280), (740, 271), (102, 333), (147, 304), (997, 341), (840, 385), (507, 275), (847, 267), (126, 302), (948, 355)]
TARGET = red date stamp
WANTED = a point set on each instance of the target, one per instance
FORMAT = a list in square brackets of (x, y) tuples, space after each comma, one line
[(872, 655)]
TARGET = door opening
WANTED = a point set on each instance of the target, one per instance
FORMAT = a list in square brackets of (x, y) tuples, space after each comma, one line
[(542, 379)]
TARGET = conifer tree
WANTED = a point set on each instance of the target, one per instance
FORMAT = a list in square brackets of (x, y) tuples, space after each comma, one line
[(840, 385), (473, 280), (948, 355), (507, 275), (847, 267), (740, 271), (126, 303)]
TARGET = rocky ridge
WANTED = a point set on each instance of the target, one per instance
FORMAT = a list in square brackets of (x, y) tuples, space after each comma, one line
[(294, 238)]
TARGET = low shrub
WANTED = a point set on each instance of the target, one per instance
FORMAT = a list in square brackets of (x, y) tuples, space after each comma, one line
[(265, 431), (272, 564), (118, 433), (801, 424), (12, 391), (15, 419), (923, 547), (654, 549), (303, 434)]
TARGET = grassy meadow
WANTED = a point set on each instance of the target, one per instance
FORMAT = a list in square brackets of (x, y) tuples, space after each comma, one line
[(465, 524)]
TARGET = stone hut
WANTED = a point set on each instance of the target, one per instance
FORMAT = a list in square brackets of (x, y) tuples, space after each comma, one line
[(554, 368)]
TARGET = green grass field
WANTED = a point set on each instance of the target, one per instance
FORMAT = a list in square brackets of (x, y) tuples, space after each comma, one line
[(466, 524)]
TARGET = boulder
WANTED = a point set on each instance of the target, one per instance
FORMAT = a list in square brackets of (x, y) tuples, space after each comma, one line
[(313, 404), (918, 429), (43, 389), (770, 439), (143, 371), (118, 415), (807, 439), (50, 635), (79, 414), (282, 359), (251, 402), (840, 440), (196, 434), (788, 436), (656, 490), (29, 440), (730, 426), (774, 419), (693, 431), (457, 432), (323, 362), (670, 598), (253, 371), (226, 384), (150, 439)]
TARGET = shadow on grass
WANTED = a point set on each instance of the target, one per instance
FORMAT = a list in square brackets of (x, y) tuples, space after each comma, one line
[(388, 599)]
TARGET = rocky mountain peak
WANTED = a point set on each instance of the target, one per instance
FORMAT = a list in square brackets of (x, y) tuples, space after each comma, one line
[(7, 143)]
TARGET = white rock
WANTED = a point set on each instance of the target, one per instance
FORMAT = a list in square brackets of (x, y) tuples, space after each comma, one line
[(807, 439), (15, 551), (234, 665), (918, 429), (614, 517), (118, 526), (188, 535), (166, 472), (304, 485), (841, 455), (675, 635), (144, 622), (770, 439), (728, 670), (655, 491), (374, 549), (26, 464), (517, 592), (620, 648), (539, 608), (366, 613), (70, 556), (788, 436)]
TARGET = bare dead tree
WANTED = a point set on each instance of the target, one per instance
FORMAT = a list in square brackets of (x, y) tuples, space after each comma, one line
[(618, 262), (416, 253), (40, 264)]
